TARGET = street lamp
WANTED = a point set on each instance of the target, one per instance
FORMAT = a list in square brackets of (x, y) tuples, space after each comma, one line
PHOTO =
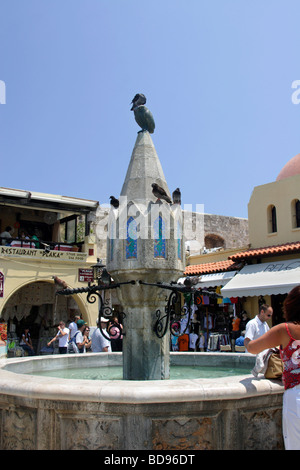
[(97, 270)]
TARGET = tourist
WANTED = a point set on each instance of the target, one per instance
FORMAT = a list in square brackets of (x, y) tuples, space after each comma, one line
[(88, 341), (35, 236), (62, 336), (73, 327), (99, 342), (287, 335), (258, 325), (6, 235), (115, 331), (80, 339), (26, 343)]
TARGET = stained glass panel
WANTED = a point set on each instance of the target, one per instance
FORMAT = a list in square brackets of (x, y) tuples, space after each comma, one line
[(131, 240), (179, 235), (159, 238)]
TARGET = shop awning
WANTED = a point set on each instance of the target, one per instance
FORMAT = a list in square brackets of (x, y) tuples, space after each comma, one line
[(277, 277), (215, 279)]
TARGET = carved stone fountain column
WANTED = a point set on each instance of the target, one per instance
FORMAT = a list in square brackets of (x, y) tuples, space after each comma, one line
[(145, 242)]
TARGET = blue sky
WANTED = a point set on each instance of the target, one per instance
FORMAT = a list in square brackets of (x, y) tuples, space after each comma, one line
[(217, 75)]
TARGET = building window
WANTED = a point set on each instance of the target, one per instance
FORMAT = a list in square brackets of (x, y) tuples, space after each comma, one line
[(131, 240), (272, 219), (73, 229), (296, 213), (179, 237), (159, 238)]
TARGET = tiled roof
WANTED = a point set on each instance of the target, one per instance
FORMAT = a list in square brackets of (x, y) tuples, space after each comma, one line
[(286, 248), (207, 268)]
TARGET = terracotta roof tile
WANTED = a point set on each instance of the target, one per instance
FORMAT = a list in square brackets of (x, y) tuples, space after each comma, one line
[(207, 268), (286, 248)]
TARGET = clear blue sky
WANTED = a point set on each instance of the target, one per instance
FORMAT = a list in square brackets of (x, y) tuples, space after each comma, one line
[(217, 75)]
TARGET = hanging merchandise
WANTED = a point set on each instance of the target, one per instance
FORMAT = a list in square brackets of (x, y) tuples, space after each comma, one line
[(193, 337), (183, 342)]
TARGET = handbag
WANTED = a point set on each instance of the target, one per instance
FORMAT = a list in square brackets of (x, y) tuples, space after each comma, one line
[(275, 365)]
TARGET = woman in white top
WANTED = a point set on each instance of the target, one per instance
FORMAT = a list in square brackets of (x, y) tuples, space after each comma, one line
[(63, 337)]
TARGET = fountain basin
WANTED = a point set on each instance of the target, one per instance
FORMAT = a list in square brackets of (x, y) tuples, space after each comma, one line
[(236, 412)]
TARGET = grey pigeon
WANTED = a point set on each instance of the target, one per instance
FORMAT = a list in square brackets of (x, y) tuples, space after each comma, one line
[(176, 196), (160, 193), (114, 202)]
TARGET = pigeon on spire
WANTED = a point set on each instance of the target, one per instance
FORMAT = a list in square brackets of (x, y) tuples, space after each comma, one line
[(160, 193)]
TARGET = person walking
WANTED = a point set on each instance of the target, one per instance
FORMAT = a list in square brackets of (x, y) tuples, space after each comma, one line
[(73, 327), (99, 342), (287, 335), (80, 339), (258, 325), (62, 336)]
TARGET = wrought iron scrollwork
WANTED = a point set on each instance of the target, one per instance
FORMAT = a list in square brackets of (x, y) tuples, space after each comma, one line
[(165, 320), (94, 292), (171, 315)]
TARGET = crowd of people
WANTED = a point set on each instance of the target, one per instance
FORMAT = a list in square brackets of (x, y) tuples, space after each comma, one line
[(76, 337), (7, 236)]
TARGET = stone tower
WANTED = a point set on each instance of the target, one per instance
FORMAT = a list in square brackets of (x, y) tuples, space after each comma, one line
[(145, 242)]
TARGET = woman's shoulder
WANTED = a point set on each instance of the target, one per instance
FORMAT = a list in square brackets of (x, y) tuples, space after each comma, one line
[(293, 330)]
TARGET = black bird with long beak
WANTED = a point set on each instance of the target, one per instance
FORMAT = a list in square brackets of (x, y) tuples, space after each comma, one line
[(114, 202), (160, 193), (142, 114)]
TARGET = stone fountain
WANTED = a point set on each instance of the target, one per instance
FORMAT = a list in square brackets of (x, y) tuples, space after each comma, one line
[(142, 411)]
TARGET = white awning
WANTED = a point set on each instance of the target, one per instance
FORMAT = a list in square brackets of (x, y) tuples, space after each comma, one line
[(215, 279), (277, 277)]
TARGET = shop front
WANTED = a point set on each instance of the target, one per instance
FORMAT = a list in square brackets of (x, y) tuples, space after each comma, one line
[(267, 282), (211, 325), (29, 300)]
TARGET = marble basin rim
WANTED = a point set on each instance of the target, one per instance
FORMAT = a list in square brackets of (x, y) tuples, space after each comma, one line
[(14, 381)]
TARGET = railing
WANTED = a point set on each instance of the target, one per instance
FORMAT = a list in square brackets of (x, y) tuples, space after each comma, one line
[(40, 244)]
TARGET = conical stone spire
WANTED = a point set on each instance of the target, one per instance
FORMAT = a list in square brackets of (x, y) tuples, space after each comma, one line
[(143, 170)]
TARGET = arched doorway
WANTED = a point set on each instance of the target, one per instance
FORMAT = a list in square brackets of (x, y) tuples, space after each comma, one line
[(212, 240), (37, 307)]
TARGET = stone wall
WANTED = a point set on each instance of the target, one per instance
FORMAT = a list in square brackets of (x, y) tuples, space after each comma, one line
[(233, 230)]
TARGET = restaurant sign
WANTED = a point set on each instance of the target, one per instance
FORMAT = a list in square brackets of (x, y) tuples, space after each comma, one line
[(34, 253), (85, 275)]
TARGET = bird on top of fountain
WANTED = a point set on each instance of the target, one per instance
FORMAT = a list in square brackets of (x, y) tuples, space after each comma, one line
[(142, 114), (160, 193), (176, 196), (114, 202)]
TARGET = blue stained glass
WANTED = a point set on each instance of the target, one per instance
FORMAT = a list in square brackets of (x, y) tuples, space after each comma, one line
[(159, 238), (131, 240), (179, 235)]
